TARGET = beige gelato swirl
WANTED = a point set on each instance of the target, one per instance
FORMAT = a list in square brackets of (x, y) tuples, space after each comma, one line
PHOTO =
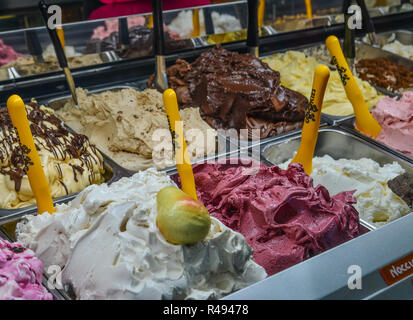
[(132, 128)]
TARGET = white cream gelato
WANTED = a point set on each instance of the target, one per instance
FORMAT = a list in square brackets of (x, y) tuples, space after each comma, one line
[(376, 203), (49, 52), (398, 48), (183, 24), (108, 241)]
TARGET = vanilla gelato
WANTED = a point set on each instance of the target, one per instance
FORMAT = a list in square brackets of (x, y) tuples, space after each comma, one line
[(376, 203), (183, 23), (69, 161), (398, 48), (132, 128), (297, 72), (108, 241)]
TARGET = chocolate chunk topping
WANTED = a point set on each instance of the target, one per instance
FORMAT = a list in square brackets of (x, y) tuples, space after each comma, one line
[(402, 185), (17, 249), (237, 91)]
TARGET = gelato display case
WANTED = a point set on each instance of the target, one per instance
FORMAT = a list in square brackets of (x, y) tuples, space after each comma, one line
[(275, 232)]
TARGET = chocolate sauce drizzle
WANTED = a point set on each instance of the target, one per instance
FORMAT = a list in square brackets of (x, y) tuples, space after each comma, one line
[(49, 134)]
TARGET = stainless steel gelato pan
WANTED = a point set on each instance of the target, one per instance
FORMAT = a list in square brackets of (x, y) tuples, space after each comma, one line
[(348, 125)]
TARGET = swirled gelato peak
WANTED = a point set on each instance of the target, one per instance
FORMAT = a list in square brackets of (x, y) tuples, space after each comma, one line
[(110, 247), (132, 128)]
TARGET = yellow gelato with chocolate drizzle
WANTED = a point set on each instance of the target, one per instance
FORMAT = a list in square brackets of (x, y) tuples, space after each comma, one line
[(69, 161)]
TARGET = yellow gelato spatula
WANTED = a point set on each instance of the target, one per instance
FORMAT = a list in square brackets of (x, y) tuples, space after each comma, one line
[(195, 23), (150, 21), (312, 120), (309, 9), (364, 120), (61, 36), (183, 161), (37, 178), (261, 12)]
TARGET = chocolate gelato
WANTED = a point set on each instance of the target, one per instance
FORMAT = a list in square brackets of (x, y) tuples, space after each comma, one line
[(402, 185), (385, 74), (236, 91), (141, 43)]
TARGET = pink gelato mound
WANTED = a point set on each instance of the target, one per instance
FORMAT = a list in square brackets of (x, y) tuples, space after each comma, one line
[(396, 119), (282, 216), (7, 54), (20, 274)]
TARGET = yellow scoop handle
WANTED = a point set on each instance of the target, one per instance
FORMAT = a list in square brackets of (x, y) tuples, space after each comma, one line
[(150, 21), (309, 134), (261, 11), (37, 178), (309, 9), (195, 23), (183, 162), (364, 120), (61, 35)]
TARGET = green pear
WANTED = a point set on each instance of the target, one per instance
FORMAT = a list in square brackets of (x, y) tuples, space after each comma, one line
[(180, 218)]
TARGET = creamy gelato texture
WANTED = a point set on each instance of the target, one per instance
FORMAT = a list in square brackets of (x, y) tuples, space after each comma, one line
[(282, 216), (20, 274), (49, 52), (132, 128), (376, 203), (69, 161), (396, 119), (397, 47), (111, 248), (7, 53), (26, 66), (297, 72)]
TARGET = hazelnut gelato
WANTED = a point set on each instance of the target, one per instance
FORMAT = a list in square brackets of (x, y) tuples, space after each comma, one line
[(132, 128)]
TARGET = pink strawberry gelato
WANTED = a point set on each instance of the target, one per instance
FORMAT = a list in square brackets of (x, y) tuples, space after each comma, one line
[(282, 216), (20, 274), (396, 119), (7, 54)]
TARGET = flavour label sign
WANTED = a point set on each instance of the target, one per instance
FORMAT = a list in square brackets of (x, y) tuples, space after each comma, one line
[(398, 270)]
